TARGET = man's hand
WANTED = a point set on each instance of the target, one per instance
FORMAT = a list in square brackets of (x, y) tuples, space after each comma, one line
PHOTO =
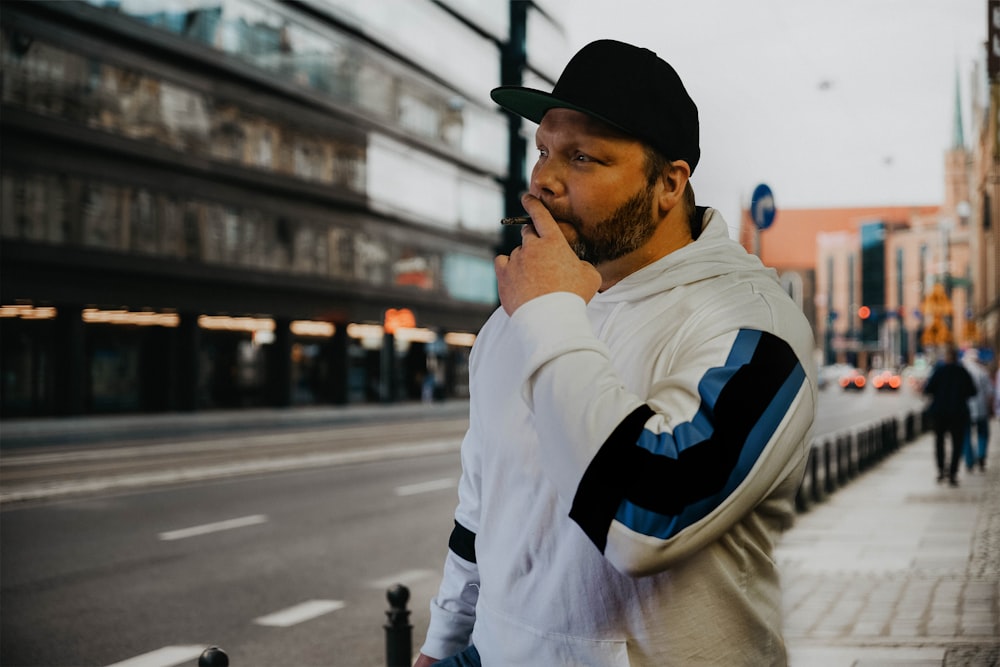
[(544, 263), (424, 661)]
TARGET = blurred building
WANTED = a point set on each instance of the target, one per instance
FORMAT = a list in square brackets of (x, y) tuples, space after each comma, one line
[(878, 274), (216, 204), (985, 192)]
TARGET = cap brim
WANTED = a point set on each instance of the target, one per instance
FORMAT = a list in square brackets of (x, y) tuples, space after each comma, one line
[(532, 104)]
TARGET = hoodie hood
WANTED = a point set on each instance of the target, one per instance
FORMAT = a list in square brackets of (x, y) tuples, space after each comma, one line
[(712, 254)]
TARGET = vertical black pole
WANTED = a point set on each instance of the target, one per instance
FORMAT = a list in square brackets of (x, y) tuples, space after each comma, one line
[(398, 631), (213, 656), (188, 362), (387, 369), (279, 362), (70, 361), (513, 61), (338, 362)]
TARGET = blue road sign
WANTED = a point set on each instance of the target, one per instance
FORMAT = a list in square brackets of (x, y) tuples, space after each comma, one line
[(762, 208)]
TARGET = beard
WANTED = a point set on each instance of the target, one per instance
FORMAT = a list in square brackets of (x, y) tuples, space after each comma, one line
[(625, 230)]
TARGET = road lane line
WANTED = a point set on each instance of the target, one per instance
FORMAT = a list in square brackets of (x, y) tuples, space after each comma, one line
[(168, 656), (406, 577), (243, 444), (300, 613), (215, 527), (221, 471), (426, 487)]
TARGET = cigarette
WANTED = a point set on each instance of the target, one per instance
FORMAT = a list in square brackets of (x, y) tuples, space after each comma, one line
[(516, 220)]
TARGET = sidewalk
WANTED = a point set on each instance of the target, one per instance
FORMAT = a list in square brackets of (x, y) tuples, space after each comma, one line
[(108, 428), (896, 569)]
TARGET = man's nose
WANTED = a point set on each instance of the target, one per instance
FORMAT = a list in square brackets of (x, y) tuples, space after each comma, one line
[(545, 181)]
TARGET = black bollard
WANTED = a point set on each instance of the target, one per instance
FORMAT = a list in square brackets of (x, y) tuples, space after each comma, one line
[(398, 631), (213, 656)]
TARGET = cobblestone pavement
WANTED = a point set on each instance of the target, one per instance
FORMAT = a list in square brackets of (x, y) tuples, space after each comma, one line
[(896, 569)]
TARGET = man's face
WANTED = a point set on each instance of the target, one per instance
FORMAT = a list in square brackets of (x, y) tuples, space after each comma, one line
[(593, 181)]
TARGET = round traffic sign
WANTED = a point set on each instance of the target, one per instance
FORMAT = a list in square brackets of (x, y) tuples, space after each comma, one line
[(762, 208)]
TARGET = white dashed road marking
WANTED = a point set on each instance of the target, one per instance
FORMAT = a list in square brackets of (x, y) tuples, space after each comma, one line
[(300, 613), (168, 656), (426, 487), (215, 527), (407, 577)]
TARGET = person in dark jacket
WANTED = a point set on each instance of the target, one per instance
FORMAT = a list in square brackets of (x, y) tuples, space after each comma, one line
[(950, 388)]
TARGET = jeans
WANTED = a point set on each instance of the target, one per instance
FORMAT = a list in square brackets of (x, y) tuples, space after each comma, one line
[(467, 658), (956, 430), (982, 428)]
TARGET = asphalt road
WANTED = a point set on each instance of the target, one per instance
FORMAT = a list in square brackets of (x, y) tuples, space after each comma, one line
[(281, 552), (100, 580)]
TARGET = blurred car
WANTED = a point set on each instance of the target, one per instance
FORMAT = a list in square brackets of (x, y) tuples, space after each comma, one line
[(885, 379), (915, 376), (853, 380), (830, 375)]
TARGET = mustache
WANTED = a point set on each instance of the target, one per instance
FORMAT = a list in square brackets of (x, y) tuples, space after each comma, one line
[(563, 216)]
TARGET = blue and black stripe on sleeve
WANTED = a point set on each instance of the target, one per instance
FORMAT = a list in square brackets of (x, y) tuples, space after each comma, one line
[(463, 542), (658, 484)]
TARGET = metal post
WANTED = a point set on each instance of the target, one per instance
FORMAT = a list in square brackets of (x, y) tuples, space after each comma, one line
[(816, 485), (213, 656), (398, 630), (387, 369), (513, 61), (829, 481)]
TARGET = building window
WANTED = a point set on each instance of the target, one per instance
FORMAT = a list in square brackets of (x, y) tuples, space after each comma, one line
[(143, 220), (55, 82), (304, 52)]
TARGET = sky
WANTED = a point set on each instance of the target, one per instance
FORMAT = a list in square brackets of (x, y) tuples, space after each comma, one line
[(830, 103)]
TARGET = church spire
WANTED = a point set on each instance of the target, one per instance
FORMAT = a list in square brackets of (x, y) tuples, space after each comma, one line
[(958, 136)]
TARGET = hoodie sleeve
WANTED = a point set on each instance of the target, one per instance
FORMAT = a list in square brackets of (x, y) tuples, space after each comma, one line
[(453, 609), (652, 479)]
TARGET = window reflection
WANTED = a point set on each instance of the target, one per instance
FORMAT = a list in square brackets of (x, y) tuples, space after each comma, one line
[(58, 83), (134, 219), (333, 64), (55, 82)]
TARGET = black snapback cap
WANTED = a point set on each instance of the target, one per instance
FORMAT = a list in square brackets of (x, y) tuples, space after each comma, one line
[(625, 86)]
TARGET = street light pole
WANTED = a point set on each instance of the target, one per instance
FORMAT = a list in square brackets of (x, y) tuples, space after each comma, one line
[(513, 60)]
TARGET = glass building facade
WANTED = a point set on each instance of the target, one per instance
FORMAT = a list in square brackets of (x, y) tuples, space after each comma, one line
[(215, 203), (873, 284)]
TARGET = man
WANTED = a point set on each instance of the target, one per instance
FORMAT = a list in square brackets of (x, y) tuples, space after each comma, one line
[(980, 411), (640, 405), (950, 387)]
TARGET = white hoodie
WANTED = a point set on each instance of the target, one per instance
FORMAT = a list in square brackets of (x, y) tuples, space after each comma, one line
[(627, 467)]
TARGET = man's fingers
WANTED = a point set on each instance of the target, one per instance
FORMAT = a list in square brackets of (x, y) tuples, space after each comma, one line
[(542, 221)]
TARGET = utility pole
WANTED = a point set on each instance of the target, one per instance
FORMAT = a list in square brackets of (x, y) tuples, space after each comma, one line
[(514, 59)]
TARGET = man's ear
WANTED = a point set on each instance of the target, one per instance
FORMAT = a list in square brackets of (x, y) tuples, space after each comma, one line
[(674, 180)]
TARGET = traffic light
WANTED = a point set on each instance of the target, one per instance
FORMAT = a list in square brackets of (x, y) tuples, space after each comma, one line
[(864, 312)]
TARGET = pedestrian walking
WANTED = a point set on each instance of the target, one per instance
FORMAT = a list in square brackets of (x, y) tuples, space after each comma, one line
[(950, 387), (640, 404), (980, 411)]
